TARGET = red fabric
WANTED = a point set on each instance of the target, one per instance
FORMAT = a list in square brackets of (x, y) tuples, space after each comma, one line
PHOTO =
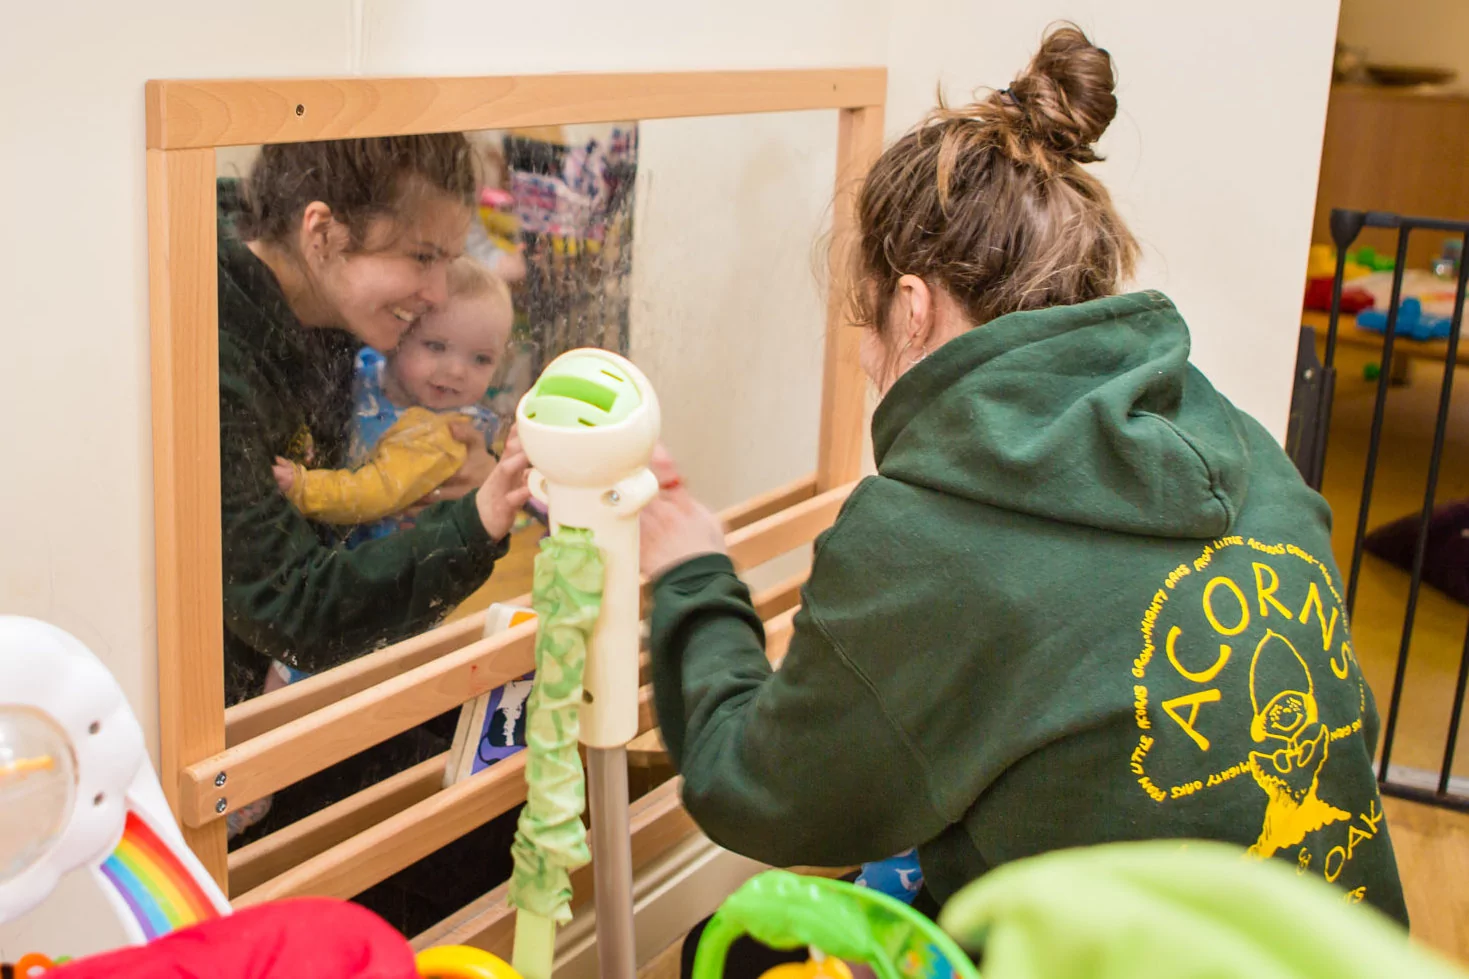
[(310, 938)]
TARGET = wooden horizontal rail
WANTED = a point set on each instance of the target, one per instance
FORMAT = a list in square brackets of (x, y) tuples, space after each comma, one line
[(365, 858), (375, 854), (273, 855), (184, 114), (307, 745), (769, 503), (258, 715), (767, 539), (657, 823)]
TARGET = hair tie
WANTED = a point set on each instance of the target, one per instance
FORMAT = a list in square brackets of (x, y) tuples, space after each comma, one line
[(1013, 99)]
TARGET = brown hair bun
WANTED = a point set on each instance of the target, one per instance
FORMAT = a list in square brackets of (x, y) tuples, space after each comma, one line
[(989, 201), (1064, 98)]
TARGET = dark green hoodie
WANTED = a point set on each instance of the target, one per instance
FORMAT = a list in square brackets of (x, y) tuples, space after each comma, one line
[(1085, 600)]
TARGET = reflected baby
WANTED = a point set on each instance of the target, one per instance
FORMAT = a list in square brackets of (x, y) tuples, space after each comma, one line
[(413, 411)]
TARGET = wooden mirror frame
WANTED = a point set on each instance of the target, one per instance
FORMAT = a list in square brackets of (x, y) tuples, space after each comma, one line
[(213, 760)]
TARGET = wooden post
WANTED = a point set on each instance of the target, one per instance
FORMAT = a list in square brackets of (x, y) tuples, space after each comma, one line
[(843, 386), (183, 309)]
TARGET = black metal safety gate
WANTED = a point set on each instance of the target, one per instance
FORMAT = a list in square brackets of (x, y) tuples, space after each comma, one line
[(1307, 438)]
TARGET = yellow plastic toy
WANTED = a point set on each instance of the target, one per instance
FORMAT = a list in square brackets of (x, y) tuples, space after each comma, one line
[(818, 966), (462, 962)]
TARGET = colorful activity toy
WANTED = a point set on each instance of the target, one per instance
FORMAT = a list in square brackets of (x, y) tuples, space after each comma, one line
[(77, 792), (837, 921)]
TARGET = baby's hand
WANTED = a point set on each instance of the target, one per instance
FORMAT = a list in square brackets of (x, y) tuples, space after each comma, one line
[(285, 474), (505, 491)]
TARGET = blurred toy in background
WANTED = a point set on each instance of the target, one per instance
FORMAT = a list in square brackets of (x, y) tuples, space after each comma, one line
[(497, 214), (495, 238), (1353, 298), (1446, 266), (1368, 258), (1426, 298), (1320, 276), (570, 202), (1322, 264), (1413, 322)]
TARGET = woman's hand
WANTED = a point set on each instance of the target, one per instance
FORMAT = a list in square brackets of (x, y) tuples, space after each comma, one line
[(675, 526), (505, 490)]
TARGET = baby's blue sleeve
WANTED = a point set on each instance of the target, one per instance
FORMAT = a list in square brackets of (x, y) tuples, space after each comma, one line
[(899, 877)]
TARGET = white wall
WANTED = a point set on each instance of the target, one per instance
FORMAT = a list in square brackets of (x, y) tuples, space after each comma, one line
[(1214, 160), (1213, 157)]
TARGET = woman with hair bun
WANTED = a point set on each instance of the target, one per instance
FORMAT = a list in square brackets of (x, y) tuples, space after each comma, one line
[(1085, 598)]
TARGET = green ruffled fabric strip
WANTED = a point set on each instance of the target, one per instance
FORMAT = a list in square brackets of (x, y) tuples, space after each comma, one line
[(550, 839)]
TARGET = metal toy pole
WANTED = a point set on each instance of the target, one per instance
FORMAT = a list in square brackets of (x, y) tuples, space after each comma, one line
[(612, 862)]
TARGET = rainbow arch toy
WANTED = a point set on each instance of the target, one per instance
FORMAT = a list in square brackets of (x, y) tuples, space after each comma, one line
[(77, 794), (77, 791)]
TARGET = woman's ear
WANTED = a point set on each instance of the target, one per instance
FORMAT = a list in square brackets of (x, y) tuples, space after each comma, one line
[(914, 322), (317, 237)]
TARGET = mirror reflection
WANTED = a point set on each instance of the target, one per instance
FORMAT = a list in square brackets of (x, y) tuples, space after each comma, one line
[(383, 304)]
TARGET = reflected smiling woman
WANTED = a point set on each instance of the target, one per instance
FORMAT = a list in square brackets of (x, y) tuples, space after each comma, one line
[(331, 247)]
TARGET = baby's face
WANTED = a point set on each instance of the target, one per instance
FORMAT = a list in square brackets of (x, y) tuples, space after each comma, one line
[(449, 358)]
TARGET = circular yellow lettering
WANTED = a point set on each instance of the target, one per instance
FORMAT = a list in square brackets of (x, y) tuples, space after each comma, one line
[(1239, 596), (1203, 676)]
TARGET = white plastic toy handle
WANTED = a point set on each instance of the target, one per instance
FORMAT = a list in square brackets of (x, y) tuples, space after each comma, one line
[(589, 426)]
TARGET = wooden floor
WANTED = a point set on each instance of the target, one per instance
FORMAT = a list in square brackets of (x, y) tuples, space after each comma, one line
[(1432, 846)]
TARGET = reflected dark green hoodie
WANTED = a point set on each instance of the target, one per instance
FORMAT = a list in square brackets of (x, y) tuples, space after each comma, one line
[(1085, 599)]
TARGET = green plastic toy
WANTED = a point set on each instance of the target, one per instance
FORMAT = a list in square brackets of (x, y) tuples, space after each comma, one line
[(840, 920)]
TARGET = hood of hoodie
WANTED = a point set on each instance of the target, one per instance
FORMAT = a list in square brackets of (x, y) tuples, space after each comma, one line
[(1087, 414)]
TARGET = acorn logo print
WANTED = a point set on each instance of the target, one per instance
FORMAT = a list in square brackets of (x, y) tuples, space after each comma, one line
[(1246, 673), (1287, 721)]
